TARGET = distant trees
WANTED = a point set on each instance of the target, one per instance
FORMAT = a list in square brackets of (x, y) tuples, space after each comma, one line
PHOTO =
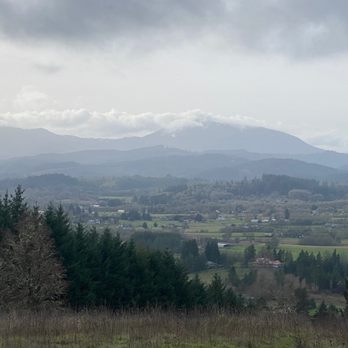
[(134, 215), (219, 295), (114, 202), (326, 273), (272, 243), (297, 188), (345, 293), (233, 276), (189, 249), (216, 291), (286, 214), (190, 256), (303, 302), (158, 240), (302, 195), (246, 280), (249, 254), (324, 239), (198, 218), (212, 252), (12, 208)]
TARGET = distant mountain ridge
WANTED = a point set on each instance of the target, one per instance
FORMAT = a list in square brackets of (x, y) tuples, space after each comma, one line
[(214, 152), (16, 142), (161, 161), (222, 137)]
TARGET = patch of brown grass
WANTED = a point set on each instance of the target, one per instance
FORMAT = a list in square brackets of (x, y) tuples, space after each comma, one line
[(168, 329)]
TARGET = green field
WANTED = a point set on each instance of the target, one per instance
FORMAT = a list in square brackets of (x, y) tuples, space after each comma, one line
[(125, 199), (212, 227), (239, 249), (296, 249), (207, 275)]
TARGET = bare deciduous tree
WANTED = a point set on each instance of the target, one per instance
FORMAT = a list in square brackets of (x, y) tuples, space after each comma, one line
[(31, 275)]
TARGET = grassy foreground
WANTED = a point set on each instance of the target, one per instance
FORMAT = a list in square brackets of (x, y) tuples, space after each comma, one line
[(161, 329)]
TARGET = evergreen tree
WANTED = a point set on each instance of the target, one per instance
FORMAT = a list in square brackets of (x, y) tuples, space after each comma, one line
[(249, 278), (190, 256), (345, 294), (112, 288), (198, 293), (286, 214), (212, 252), (216, 292), (249, 254), (102, 270), (18, 206), (232, 301), (233, 276), (12, 209), (189, 249), (303, 303), (59, 223)]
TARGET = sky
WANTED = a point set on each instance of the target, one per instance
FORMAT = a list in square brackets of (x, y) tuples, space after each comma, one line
[(113, 68)]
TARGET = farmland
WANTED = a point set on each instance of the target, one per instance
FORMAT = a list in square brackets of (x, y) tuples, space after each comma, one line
[(263, 247)]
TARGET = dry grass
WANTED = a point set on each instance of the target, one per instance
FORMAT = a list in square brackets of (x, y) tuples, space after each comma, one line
[(162, 329)]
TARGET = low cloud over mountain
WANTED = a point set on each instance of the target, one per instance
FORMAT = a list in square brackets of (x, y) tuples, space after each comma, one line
[(110, 124)]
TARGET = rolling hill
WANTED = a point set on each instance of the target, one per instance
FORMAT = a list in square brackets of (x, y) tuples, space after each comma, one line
[(160, 161)]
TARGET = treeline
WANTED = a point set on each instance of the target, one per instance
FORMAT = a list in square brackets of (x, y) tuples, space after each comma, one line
[(46, 181), (268, 184), (175, 195), (44, 261), (98, 186), (281, 184), (285, 185), (202, 196), (323, 272)]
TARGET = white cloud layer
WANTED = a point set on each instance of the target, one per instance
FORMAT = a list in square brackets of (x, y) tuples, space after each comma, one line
[(117, 124), (113, 123), (33, 108)]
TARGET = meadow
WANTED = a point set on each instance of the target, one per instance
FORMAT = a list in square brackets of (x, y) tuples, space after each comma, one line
[(169, 329)]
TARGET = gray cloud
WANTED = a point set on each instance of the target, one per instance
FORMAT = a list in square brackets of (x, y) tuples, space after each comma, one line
[(291, 27), (48, 68), (77, 20)]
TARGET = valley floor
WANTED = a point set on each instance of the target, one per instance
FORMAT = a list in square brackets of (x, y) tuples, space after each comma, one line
[(166, 329)]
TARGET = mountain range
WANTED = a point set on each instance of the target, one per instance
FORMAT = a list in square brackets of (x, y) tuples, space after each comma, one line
[(212, 151), (16, 142)]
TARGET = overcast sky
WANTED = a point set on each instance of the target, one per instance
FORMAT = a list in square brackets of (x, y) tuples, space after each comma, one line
[(111, 68)]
